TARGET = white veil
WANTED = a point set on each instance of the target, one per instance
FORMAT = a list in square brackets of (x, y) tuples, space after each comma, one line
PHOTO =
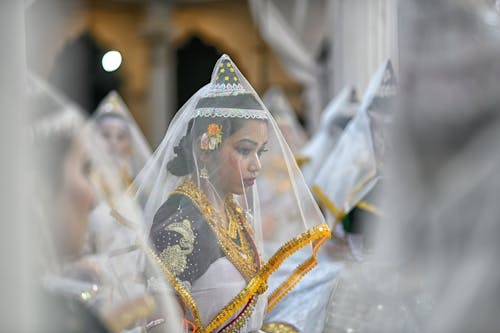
[(353, 167), (113, 108), (435, 265), (59, 132), (200, 178), (336, 116), (276, 102)]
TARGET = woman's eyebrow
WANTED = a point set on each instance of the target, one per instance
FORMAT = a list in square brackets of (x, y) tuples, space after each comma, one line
[(249, 141)]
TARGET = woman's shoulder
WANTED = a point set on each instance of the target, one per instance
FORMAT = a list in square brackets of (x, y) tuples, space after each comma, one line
[(177, 209)]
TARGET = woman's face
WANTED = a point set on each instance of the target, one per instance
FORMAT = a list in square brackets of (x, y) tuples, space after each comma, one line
[(74, 202), (116, 133), (236, 166)]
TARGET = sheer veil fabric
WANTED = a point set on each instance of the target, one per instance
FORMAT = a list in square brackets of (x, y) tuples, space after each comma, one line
[(123, 136), (276, 102), (111, 282), (203, 206), (336, 116), (355, 165)]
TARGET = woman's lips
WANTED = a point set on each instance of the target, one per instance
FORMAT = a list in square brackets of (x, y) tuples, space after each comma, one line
[(249, 181)]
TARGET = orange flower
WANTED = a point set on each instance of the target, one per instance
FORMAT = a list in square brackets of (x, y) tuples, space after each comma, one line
[(214, 130)]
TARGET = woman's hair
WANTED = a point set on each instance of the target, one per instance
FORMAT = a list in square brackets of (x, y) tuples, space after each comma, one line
[(183, 163)]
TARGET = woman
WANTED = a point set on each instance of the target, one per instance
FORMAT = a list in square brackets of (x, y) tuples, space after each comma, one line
[(64, 196), (354, 167), (109, 239), (205, 207), (125, 141)]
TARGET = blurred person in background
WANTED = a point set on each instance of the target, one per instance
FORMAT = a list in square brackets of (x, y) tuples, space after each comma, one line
[(434, 264), (355, 168), (337, 114), (99, 284), (63, 197), (125, 140)]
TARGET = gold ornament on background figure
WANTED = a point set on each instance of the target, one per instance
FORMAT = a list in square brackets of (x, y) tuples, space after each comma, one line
[(204, 173)]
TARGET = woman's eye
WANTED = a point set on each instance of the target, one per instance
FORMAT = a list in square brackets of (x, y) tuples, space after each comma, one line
[(262, 151), (244, 151)]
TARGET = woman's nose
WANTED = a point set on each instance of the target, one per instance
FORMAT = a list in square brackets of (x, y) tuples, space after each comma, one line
[(255, 164)]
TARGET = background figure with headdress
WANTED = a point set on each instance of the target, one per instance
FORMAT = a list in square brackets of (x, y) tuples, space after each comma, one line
[(125, 151), (434, 264), (337, 114), (205, 206), (61, 176), (64, 146), (125, 140), (354, 168)]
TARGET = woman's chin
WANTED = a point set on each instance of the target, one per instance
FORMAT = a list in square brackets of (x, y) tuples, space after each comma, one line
[(239, 190)]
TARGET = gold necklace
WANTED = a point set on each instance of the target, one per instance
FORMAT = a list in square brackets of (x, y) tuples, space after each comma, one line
[(236, 241)]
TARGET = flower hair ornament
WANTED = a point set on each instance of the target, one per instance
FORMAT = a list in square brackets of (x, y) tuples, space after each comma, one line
[(212, 138)]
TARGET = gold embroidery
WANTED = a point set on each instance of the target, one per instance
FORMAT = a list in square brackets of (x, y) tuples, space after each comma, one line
[(317, 235), (359, 186), (175, 256), (240, 321), (369, 208), (304, 268), (276, 327), (339, 215), (302, 160), (178, 286), (235, 242)]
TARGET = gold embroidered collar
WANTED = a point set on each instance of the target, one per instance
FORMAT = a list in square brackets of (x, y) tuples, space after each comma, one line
[(236, 240)]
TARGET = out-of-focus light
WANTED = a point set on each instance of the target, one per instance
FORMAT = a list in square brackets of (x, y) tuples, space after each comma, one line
[(111, 61)]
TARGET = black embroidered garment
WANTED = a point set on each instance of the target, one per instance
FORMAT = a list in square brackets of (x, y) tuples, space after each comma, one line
[(183, 239)]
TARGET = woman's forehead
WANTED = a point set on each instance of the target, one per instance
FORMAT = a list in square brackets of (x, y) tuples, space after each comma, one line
[(113, 123), (253, 130)]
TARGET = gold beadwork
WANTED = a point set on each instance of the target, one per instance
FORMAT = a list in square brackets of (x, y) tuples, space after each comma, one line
[(175, 256), (235, 242), (318, 234), (304, 268), (179, 288), (174, 282), (241, 320), (276, 327)]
